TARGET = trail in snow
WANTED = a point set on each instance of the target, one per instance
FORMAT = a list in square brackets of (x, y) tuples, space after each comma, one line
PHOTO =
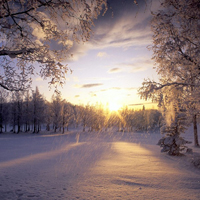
[(118, 166)]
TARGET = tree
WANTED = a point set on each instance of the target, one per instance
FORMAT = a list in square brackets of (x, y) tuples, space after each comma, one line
[(13, 113), (4, 110), (176, 53), (38, 110), (85, 116), (67, 114), (27, 111), (173, 126), (56, 108), (42, 32), (77, 115), (48, 115)]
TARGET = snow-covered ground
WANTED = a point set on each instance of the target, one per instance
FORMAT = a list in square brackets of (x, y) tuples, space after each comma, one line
[(94, 166)]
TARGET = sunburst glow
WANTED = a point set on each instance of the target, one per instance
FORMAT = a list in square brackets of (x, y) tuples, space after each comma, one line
[(114, 106)]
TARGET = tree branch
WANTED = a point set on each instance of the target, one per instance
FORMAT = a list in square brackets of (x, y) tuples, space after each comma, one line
[(17, 52), (3, 86), (42, 4)]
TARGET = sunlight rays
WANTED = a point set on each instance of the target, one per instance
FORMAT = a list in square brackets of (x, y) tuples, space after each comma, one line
[(114, 106), (38, 156)]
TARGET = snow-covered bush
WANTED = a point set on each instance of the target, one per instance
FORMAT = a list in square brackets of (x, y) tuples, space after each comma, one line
[(172, 143), (196, 162)]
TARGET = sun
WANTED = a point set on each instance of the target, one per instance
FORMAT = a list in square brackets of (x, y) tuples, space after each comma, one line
[(114, 106)]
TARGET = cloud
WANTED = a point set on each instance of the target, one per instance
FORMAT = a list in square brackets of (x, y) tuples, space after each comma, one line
[(115, 88), (132, 67), (130, 28), (88, 85), (132, 88), (102, 54), (98, 78), (115, 70), (136, 65), (77, 96)]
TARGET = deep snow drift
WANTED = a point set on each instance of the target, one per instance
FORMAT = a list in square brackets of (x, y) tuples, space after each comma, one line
[(94, 166)]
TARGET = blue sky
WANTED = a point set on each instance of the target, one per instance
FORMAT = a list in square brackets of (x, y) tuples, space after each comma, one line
[(113, 64)]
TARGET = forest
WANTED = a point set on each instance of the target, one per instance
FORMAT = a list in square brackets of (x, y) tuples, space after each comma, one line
[(29, 111)]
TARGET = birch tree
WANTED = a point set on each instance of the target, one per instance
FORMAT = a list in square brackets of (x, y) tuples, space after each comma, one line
[(41, 32), (176, 47)]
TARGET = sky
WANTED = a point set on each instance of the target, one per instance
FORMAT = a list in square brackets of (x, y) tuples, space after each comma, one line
[(112, 65)]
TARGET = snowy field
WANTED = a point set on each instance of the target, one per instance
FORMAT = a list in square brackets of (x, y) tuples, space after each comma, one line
[(94, 166)]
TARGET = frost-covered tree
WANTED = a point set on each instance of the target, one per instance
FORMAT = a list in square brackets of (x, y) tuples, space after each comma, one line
[(27, 111), (176, 47), (67, 115), (13, 111), (38, 110), (4, 110), (40, 33), (85, 115), (176, 122), (97, 117), (77, 115), (19, 102), (56, 109), (48, 115)]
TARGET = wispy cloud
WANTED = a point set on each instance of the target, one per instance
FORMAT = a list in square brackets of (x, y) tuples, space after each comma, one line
[(132, 67), (115, 88), (114, 70), (136, 65), (98, 79), (102, 54), (132, 88), (90, 85), (77, 96), (124, 31)]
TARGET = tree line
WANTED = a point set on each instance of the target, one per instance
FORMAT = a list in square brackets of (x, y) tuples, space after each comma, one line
[(29, 111)]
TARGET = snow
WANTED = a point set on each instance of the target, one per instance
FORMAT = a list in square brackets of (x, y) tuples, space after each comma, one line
[(94, 166)]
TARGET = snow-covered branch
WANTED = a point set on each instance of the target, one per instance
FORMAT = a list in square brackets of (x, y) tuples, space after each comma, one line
[(37, 31), (14, 53)]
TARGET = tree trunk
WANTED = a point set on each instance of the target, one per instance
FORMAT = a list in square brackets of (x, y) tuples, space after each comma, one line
[(34, 125), (48, 127), (5, 127), (196, 142)]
